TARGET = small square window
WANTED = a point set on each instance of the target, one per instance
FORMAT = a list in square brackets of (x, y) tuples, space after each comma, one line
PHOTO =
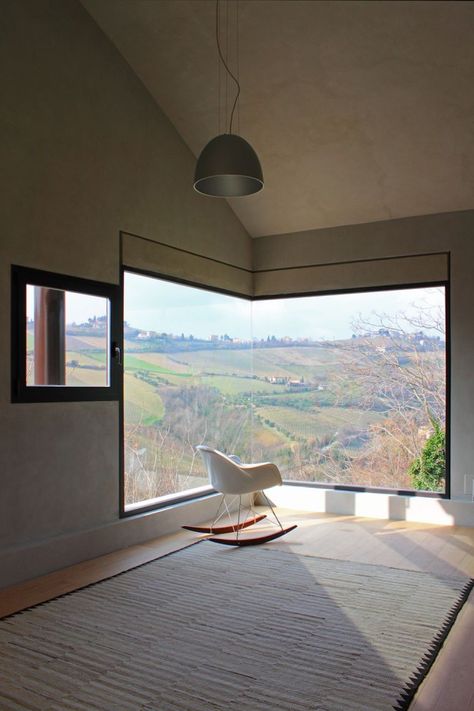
[(65, 338)]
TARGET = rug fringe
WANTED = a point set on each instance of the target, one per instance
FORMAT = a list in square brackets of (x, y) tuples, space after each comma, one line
[(410, 688)]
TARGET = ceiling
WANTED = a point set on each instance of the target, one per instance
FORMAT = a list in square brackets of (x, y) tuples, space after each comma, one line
[(359, 111)]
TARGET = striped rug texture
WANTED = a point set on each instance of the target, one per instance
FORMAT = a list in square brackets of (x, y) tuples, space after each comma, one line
[(246, 629)]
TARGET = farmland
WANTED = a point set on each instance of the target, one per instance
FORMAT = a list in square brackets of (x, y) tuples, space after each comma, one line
[(318, 411), (322, 412), (318, 422)]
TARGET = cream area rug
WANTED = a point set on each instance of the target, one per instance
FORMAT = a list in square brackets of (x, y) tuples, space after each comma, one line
[(210, 628)]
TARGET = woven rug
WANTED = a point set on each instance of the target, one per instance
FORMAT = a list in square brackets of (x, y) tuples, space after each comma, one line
[(245, 629)]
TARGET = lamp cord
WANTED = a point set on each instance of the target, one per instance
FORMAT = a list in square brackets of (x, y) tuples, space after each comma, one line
[(221, 56)]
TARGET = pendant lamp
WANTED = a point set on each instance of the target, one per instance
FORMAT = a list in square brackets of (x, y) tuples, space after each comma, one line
[(228, 165)]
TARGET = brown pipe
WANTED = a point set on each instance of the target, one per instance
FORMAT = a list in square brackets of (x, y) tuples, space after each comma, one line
[(50, 336)]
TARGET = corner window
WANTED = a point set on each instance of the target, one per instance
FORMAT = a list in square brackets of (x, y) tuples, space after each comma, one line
[(344, 390), (64, 340)]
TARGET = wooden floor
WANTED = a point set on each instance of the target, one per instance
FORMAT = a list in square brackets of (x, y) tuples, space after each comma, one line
[(443, 550)]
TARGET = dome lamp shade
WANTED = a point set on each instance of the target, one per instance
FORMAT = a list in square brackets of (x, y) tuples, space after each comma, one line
[(228, 167)]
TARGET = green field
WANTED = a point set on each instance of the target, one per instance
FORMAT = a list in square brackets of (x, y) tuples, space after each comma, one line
[(142, 361), (307, 414), (143, 405), (226, 384), (299, 355), (229, 385), (318, 422), (312, 363), (84, 376), (86, 358), (303, 401), (309, 362), (96, 356), (217, 361), (162, 360), (133, 362)]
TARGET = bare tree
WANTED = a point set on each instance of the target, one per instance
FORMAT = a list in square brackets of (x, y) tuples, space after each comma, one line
[(395, 365), (161, 458)]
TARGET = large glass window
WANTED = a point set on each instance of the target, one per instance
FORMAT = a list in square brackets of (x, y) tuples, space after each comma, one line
[(364, 379), (346, 389), (187, 381)]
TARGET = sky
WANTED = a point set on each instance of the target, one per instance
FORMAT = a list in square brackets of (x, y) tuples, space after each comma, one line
[(163, 306), (79, 307), (158, 305)]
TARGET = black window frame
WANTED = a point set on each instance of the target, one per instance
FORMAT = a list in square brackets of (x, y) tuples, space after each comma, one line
[(157, 503), (23, 393), (446, 494), (183, 497)]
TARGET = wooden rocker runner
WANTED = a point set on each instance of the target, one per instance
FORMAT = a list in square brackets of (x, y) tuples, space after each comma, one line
[(229, 476)]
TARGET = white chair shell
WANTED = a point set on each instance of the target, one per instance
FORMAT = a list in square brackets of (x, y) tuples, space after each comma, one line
[(229, 477)]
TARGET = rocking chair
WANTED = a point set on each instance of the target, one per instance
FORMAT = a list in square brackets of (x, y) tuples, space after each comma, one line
[(228, 475)]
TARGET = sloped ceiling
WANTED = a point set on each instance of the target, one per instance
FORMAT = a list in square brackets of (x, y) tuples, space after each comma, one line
[(359, 111)]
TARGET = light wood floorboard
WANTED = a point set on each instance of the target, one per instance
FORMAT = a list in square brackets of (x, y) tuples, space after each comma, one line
[(47, 587), (443, 550)]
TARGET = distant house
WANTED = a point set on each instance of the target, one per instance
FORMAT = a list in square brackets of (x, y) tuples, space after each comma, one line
[(296, 384)]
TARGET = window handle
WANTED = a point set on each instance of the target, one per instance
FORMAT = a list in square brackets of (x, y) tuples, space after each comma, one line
[(117, 353)]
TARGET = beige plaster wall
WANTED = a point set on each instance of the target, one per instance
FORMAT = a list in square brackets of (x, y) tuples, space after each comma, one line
[(85, 153), (447, 232)]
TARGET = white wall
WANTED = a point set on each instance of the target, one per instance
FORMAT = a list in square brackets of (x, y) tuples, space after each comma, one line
[(420, 509), (85, 153), (447, 232)]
